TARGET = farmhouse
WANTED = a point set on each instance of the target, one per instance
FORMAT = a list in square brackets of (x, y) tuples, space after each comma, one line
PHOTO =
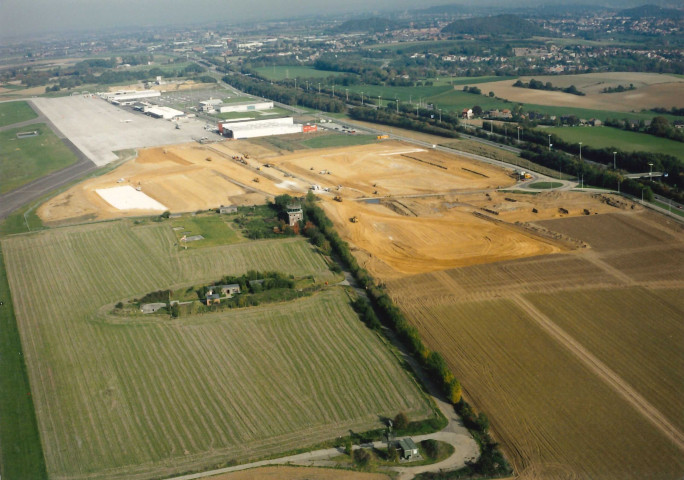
[(213, 298), (228, 290), (467, 113), (408, 448)]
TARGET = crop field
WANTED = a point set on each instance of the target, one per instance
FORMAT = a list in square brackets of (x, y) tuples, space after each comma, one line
[(25, 159), (553, 416), (281, 72), (575, 357), (15, 112), (653, 90), (144, 398), (608, 137), (654, 365)]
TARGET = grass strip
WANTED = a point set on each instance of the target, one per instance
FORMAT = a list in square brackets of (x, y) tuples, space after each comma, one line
[(21, 453)]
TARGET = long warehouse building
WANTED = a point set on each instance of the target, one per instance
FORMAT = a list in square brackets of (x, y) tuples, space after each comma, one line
[(259, 128)]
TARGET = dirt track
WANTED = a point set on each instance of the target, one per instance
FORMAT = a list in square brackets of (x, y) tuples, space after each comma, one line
[(601, 370)]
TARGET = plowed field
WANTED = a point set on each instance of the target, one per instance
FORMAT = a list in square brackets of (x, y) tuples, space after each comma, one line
[(576, 358)]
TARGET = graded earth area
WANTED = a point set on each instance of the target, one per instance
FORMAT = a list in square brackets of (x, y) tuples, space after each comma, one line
[(191, 177), (147, 396)]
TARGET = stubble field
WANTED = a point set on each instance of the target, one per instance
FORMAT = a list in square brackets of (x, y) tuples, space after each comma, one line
[(154, 397), (652, 90), (576, 357)]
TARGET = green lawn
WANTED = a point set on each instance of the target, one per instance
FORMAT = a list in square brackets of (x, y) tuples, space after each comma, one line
[(281, 72), (21, 455), (545, 185), (15, 112), (24, 160), (340, 140), (258, 114), (215, 228), (608, 137), (239, 99)]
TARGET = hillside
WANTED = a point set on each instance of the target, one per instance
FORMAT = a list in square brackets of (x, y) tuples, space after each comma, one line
[(368, 25), (494, 25), (653, 11)]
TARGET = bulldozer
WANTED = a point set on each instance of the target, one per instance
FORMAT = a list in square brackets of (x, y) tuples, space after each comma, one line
[(354, 219)]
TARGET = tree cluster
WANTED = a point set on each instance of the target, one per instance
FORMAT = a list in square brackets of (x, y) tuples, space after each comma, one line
[(538, 85)]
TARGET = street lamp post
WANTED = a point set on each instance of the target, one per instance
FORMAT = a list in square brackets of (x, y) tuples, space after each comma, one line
[(614, 164), (650, 172)]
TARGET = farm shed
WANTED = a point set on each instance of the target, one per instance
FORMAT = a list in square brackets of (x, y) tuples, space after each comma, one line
[(225, 209), (151, 307), (408, 448)]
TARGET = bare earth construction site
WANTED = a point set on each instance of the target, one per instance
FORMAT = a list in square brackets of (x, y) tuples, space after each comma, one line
[(560, 312)]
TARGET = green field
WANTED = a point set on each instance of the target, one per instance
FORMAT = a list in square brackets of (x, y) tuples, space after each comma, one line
[(260, 114), (341, 140), (545, 185), (15, 112), (156, 397), (608, 137), (215, 228), (281, 72), (21, 455), (24, 160)]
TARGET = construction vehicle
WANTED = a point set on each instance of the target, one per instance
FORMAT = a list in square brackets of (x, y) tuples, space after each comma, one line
[(354, 219), (337, 198), (382, 137), (256, 179)]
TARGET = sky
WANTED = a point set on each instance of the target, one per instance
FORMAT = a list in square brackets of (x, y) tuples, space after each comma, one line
[(37, 17)]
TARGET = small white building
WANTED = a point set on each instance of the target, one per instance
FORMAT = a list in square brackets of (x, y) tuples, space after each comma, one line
[(128, 95), (246, 107), (210, 105), (259, 128), (167, 113)]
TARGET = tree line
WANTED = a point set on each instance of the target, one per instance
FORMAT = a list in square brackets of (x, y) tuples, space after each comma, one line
[(379, 310)]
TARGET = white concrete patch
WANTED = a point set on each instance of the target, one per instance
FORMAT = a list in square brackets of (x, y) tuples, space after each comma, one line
[(128, 198), (287, 185), (99, 128), (415, 150)]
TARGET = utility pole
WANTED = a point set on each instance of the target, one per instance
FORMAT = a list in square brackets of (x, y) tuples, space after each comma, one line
[(362, 99), (549, 143), (347, 90), (614, 167), (319, 88), (580, 144)]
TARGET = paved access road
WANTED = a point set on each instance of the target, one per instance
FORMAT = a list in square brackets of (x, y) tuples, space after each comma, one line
[(25, 194)]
